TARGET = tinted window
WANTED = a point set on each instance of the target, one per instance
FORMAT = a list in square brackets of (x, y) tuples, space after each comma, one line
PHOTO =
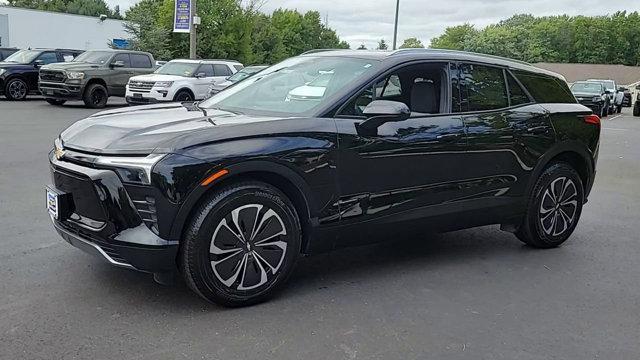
[(238, 67), (221, 70), (455, 88), (483, 88), (383, 90), (207, 69), (517, 96), (124, 58), (48, 57), (67, 56), (545, 89), (140, 61)]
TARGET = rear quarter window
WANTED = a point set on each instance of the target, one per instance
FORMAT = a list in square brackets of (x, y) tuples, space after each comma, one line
[(141, 61), (545, 89)]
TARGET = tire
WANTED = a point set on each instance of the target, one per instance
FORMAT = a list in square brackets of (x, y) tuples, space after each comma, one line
[(16, 89), (602, 113), (256, 269), (56, 102), (636, 109), (619, 109), (95, 96), (546, 225), (183, 96)]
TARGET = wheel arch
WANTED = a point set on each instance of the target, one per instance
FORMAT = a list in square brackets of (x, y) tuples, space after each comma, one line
[(573, 153), (184, 88), (96, 81), (276, 175)]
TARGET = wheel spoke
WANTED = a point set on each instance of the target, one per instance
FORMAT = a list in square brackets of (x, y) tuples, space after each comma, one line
[(252, 269), (232, 279)]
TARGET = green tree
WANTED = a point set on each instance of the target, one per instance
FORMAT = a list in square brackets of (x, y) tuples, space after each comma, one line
[(362, 47), (80, 7), (454, 37), (411, 42), (382, 45)]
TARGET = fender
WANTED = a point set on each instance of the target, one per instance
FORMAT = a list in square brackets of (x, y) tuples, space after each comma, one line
[(236, 171)]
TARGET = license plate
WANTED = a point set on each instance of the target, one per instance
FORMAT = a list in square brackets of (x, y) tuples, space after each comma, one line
[(52, 203), (137, 95), (48, 92)]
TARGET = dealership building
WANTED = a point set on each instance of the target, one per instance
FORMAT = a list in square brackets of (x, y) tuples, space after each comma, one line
[(24, 28)]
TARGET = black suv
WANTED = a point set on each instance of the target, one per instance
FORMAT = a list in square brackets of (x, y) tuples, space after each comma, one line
[(592, 95), (324, 150), (94, 76), (19, 71)]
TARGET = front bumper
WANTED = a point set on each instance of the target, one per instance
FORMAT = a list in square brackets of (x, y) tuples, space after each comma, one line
[(103, 219), (151, 96), (595, 107), (59, 90)]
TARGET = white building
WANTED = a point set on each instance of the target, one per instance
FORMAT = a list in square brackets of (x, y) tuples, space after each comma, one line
[(24, 28)]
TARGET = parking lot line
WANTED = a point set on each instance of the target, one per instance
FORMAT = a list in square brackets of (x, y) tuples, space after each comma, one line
[(615, 117)]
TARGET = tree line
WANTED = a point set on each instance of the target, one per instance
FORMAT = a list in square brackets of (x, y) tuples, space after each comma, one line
[(613, 39), (79, 7)]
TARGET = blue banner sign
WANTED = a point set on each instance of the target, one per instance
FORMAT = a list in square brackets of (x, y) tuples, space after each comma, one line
[(181, 23)]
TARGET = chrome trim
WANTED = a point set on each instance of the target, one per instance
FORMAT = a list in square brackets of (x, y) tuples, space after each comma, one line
[(98, 249)]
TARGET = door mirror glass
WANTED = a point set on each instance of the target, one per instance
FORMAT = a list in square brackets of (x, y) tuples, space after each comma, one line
[(379, 112), (117, 63)]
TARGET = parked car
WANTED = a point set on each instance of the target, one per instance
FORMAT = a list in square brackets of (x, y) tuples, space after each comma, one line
[(19, 71), (5, 52), (627, 98), (232, 190), (636, 104), (93, 76), (612, 88), (235, 78), (179, 80), (593, 95)]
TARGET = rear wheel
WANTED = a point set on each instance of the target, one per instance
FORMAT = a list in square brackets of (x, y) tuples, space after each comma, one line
[(554, 207), (241, 244), (56, 102), (16, 89), (95, 96), (636, 109)]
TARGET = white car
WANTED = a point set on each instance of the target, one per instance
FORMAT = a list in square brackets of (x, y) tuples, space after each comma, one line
[(179, 80)]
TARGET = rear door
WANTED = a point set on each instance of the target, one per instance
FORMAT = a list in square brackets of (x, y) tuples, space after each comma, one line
[(141, 64), (497, 114), (221, 72)]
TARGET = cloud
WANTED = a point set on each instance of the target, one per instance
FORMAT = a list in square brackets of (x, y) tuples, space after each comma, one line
[(368, 21)]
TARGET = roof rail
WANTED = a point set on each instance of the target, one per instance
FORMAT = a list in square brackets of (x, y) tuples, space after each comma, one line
[(229, 60), (420, 50), (313, 51)]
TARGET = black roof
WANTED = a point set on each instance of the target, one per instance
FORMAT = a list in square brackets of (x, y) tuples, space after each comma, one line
[(403, 55)]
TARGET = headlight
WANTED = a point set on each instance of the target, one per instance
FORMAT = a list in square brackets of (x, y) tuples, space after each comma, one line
[(131, 169), (75, 75), (164, 84), (2, 71)]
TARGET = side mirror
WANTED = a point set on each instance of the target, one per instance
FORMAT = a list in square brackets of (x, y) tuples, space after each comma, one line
[(201, 75), (38, 63), (607, 92), (379, 112), (116, 64)]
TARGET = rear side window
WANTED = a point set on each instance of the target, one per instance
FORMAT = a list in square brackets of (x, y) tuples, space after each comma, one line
[(517, 96), (238, 67), (482, 88), (545, 89), (124, 58), (140, 61), (221, 70)]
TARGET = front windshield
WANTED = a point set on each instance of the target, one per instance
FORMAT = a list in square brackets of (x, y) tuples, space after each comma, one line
[(589, 88), (295, 86), (23, 56), (609, 85), (243, 74), (94, 57), (178, 68)]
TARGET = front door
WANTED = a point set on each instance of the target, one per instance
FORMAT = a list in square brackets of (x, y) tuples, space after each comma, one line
[(119, 76), (409, 170)]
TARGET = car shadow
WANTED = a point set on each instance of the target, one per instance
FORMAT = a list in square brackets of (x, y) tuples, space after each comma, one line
[(322, 272)]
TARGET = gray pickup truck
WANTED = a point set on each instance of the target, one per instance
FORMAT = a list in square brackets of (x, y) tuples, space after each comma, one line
[(93, 76)]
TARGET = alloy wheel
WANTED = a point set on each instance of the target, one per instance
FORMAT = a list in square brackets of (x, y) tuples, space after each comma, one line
[(247, 248), (97, 96), (558, 206), (17, 89)]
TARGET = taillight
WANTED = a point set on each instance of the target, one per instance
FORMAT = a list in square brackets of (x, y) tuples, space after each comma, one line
[(592, 119)]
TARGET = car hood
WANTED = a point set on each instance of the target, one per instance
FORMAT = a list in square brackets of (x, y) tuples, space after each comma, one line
[(163, 128), (70, 66), (157, 77)]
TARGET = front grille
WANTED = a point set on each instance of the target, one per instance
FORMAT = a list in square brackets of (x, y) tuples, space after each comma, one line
[(85, 199), (144, 86), (52, 75), (147, 209)]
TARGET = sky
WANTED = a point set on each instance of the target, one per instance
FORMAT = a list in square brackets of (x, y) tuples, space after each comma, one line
[(368, 21)]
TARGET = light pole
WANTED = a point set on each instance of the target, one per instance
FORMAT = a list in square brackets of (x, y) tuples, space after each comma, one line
[(395, 28), (194, 21)]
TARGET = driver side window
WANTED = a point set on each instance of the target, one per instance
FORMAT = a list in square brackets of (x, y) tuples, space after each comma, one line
[(48, 58), (388, 89)]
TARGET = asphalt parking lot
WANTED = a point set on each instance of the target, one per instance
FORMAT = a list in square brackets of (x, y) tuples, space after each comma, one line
[(473, 294)]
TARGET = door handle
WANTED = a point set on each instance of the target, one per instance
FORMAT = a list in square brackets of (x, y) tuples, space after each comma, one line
[(537, 130), (447, 137)]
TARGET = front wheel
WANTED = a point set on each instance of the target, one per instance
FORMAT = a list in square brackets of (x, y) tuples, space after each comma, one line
[(183, 96), (16, 89), (241, 244), (95, 96), (554, 207)]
